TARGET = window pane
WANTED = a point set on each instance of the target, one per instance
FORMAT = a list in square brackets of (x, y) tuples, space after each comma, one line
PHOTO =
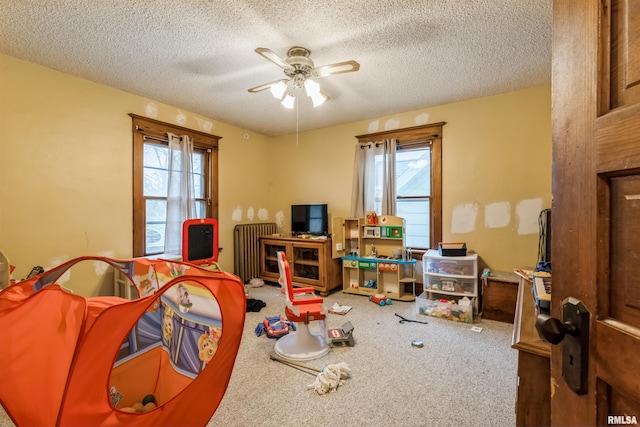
[(198, 175), (416, 213), (155, 170), (201, 209), (413, 172), (155, 226)]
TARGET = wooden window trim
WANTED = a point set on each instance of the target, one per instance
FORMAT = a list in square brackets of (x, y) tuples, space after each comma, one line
[(143, 126), (414, 136)]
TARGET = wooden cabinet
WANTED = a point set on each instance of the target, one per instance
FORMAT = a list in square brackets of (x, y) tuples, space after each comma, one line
[(310, 261), (533, 400), (499, 294)]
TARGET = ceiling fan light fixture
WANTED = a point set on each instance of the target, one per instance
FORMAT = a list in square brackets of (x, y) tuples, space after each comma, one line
[(299, 69), (289, 100), (318, 99), (278, 89), (311, 87)]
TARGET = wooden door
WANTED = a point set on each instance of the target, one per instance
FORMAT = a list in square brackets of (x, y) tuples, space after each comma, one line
[(596, 203)]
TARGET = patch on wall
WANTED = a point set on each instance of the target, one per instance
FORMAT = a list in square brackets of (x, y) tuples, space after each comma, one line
[(205, 125), (497, 215), (181, 118), (250, 213), (422, 119), (151, 110), (392, 124), (263, 214), (464, 218), (236, 215), (66, 276), (374, 126), (101, 267), (280, 219), (528, 212)]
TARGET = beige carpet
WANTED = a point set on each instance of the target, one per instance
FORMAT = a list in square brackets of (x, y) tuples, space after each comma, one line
[(459, 378)]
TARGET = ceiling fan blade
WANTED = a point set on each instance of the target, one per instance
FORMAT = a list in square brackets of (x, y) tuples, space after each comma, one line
[(265, 86), (272, 57), (337, 68)]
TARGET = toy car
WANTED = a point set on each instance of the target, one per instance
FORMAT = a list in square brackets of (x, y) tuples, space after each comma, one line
[(274, 326), (380, 299)]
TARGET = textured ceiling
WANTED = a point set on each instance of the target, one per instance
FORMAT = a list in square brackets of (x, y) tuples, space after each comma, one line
[(198, 55)]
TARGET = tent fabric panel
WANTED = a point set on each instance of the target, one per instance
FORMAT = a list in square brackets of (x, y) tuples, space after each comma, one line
[(40, 338), (188, 407), (137, 377)]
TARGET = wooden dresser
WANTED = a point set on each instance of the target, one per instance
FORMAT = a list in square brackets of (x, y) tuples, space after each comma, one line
[(533, 402)]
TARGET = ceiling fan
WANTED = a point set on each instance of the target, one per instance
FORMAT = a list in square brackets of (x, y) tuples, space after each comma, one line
[(299, 69)]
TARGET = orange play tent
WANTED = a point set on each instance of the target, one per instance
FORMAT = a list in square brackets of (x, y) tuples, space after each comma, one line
[(164, 358)]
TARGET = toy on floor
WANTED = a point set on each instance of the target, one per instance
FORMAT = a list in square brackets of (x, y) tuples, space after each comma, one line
[(274, 326), (342, 336), (371, 284), (327, 379), (147, 404), (380, 299)]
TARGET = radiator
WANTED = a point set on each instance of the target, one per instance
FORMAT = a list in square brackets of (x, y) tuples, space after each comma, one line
[(246, 248)]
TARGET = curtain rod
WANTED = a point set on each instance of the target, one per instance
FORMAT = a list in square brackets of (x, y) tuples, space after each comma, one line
[(398, 144), (147, 135)]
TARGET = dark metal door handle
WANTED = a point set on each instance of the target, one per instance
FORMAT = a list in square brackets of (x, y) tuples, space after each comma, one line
[(573, 332)]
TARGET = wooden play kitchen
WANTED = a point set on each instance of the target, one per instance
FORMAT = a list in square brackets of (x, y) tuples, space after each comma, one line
[(374, 257)]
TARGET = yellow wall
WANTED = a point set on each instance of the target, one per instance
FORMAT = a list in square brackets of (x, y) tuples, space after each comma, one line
[(496, 170), (66, 169), (66, 162)]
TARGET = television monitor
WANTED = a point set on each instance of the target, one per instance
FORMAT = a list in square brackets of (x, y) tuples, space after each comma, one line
[(309, 219)]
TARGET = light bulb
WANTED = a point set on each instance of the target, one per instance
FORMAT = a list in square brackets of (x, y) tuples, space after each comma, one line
[(278, 89), (312, 87), (289, 100), (318, 98)]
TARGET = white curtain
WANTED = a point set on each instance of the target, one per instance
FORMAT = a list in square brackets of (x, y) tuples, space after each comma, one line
[(180, 194), (374, 178)]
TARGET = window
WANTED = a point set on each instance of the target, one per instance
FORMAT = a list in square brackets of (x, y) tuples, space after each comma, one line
[(150, 178), (418, 182)]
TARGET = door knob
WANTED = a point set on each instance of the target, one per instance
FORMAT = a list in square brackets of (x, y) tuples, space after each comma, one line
[(553, 330), (574, 331)]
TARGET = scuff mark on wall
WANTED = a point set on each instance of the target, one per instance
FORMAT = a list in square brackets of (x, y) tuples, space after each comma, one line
[(464, 218), (527, 212), (250, 213), (263, 214), (280, 219), (151, 110), (392, 124), (374, 126), (497, 215), (236, 215), (422, 119)]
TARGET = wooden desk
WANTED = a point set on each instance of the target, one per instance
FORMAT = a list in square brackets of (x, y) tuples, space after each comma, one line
[(533, 401)]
